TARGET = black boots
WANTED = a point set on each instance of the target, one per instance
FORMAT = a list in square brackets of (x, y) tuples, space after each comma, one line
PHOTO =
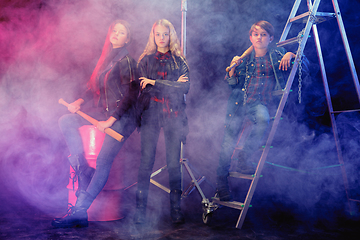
[(85, 175), (77, 215), (175, 211), (223, 190), (82, 170), (244, 165), (141, 203)]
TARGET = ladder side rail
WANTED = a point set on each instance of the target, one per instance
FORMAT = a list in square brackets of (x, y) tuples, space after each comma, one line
[(330, 108), (288, 23), (322, 68), (309, 4), (279, 111), (274, 126), (328, 95), (267, 147), (340, 157), (347, 47)]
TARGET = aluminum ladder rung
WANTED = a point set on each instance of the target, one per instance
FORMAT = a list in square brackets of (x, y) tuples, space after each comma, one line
[(231, 204), (303, 18), (288, 42), (343, 111), (240, 175), (320, 17)]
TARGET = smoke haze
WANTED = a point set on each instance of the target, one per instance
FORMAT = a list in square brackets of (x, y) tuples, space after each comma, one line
[(49, 49)]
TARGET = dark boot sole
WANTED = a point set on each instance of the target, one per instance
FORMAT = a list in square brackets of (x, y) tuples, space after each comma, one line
[(75, 224)]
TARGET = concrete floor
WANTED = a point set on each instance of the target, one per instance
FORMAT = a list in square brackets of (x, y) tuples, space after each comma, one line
[(19, 220)]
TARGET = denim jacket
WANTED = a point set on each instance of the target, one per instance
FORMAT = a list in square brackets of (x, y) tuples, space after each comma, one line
[(244, 72)]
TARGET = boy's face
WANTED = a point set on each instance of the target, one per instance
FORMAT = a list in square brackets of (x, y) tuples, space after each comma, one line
[(260, 38)]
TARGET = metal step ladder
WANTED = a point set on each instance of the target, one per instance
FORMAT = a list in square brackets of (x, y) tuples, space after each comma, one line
[(310, 19)]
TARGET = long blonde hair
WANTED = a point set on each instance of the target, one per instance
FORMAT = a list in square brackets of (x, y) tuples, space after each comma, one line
[(92, 83), (174, 45)]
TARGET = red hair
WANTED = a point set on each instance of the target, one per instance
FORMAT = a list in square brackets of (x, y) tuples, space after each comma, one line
[(93, 81)]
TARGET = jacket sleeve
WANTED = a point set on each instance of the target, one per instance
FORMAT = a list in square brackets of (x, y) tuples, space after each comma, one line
[(172, 86), (232, 81), (142, 66), (128, 100), (235, 80), (87, 96), (132, 90)]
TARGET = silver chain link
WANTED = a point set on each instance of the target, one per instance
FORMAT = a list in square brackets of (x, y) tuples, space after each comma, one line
[(246, 83), (299, 38), (300, 80)]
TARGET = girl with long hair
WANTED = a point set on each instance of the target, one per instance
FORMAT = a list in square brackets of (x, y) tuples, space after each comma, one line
[(164, 79), (113, 87)]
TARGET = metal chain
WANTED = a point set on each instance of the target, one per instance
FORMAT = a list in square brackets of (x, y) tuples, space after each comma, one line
[(300, 37), (246, 83)]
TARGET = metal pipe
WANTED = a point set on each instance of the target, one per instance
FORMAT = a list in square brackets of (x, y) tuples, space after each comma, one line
[(183, 26)]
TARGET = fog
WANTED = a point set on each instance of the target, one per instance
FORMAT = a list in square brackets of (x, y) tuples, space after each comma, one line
[(49, 49)]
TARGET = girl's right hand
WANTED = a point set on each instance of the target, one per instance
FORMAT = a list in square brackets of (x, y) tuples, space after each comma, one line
[(102, 125), (75, 106)]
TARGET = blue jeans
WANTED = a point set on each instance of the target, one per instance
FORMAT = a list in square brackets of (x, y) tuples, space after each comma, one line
[(258, 114), (151, 124), (70, 124)]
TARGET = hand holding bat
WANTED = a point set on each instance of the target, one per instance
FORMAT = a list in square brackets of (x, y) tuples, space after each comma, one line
[(239, 59), (95, 122)]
